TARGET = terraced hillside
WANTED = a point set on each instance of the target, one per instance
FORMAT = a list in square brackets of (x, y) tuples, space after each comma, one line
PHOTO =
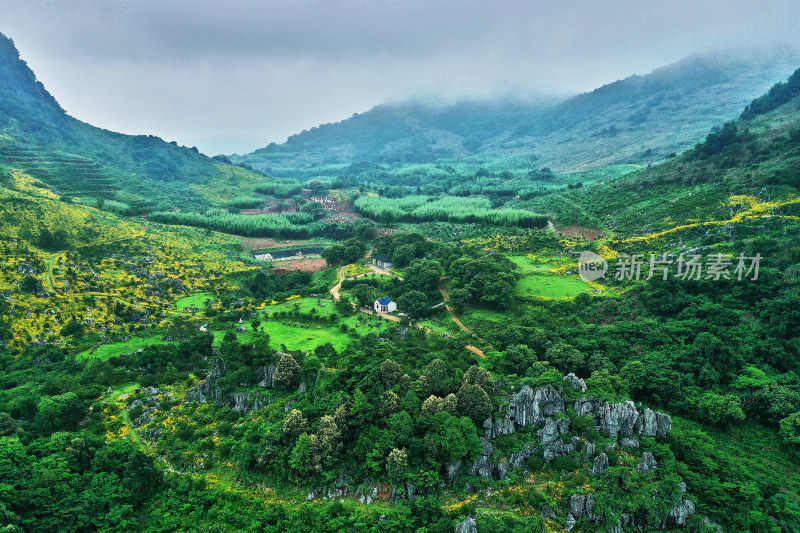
[(76, 159)]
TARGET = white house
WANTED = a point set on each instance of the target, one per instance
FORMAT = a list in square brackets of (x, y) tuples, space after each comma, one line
[(383, 261), (385, 305)]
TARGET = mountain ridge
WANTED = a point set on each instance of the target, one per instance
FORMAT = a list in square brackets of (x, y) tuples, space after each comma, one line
[(624, 116), (80, 160)]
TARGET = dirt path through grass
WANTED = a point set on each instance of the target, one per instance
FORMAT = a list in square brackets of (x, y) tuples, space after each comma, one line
[(457, 320)]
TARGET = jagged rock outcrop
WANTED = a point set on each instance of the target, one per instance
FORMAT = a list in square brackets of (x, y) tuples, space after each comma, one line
[(369, 495), (264, 376), (629, 442), (582, 506), (570, 522), (655, 424), (517, 459), (547, 512), (624, 419), (620, 418), (679, 515), (587, 406), (590, 449), (155, 433), (577, 383), (529, 407), (553, 445), (498, 427), (467, 526), (240, 403), (600, 464), (647, 463), (451, 471)]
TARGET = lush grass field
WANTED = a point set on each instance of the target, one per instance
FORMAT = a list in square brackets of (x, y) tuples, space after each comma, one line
[(106, 351), (539, 282), (551, 286), (297, 338), (196, 300)]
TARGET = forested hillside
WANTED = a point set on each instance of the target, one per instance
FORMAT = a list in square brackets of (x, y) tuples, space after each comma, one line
[(78, 160), (637, 120)]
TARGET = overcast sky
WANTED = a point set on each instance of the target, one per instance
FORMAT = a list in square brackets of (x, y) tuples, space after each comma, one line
[(233, 75)]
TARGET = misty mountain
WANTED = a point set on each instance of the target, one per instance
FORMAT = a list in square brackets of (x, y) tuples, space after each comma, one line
[(637, 120), (79, 160)]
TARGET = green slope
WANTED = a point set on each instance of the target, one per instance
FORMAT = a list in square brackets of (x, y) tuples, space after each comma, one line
[(757, 155), (636, 120), (77, 159)]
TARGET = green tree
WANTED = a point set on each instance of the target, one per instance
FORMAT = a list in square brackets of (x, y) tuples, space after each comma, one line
[(63, 411), (302, 458), (474, 402), (397, 465), (721, 410), (423, 275), (287, 372), (295, 425), (415, 304), (790, 429), (365, 230)]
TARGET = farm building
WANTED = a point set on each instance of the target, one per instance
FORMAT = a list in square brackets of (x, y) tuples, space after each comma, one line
[(382, 261), (385, 305)]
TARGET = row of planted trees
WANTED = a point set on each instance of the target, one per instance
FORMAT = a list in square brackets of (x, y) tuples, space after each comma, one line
[(288, 225), (445, 209)]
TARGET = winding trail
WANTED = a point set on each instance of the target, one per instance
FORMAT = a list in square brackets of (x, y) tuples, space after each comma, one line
[(446, 296), (335, 288)]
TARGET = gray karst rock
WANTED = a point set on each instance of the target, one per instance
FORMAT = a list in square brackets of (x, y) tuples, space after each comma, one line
[(142, 420), (451, 471), (577, 383), (501, 469), (530, 408), (547, 512), (369, 495), (582, 505), (486, 447), (467, 526), (517, 459), (498, 427), (482, 467), (587, 406), (629, 442), (240, 403), (264, 376), (679, 514), (155, 433), (647, 463), (590, 449), (257, 405), (195, 395), (620, 419), (411, 490), (655, 424), (600, 464), (551, 441), (570, 522)]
